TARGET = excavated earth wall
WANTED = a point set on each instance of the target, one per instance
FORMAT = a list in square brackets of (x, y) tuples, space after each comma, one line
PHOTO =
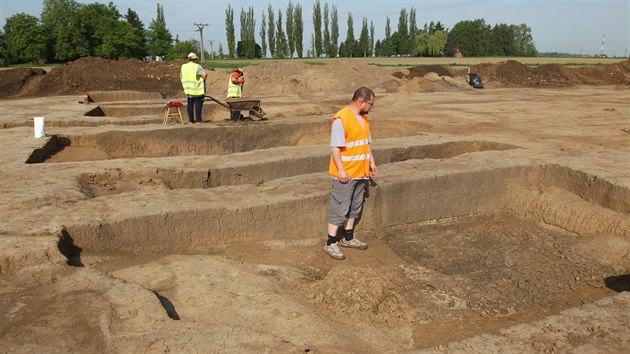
[(498, 221)]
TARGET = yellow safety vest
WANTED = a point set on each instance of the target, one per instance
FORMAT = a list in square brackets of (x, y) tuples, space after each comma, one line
[(355, 156), (234, 90), (191, 82)]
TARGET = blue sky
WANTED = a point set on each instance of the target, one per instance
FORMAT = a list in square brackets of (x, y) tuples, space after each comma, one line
[(567, 26)]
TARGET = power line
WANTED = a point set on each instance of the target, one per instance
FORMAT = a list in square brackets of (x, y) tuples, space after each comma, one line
[(200, 27)]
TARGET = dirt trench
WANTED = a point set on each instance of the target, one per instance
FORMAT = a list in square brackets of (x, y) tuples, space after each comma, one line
[(498, 221)]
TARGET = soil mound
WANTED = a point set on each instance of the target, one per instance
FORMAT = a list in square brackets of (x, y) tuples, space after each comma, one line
[(293, 77), (514, 74), (97, 74), (296, 78), (13, 80), (421, 71)]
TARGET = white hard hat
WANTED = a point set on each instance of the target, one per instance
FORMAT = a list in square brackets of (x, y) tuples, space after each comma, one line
[(192, 56)]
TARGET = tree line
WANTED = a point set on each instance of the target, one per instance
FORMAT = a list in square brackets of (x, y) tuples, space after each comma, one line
[(67, 30)]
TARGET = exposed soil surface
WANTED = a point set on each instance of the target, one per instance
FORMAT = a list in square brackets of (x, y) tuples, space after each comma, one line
[(96, 74), (499, 220)]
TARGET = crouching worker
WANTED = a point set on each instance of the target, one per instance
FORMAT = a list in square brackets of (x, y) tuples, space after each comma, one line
[(351, 166), (235, 89)]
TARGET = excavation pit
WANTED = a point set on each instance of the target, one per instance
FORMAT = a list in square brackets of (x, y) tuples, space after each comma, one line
[(270, 165), (208, 139), (441, 254)]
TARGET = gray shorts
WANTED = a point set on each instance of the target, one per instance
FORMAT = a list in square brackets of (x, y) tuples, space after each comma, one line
[(346, 201)]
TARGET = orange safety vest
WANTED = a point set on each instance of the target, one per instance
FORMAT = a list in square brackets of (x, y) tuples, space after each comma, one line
[(356, 154)]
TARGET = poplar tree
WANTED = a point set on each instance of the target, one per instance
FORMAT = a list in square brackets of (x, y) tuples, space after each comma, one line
[(290, 29), (248, 28), (364, 38), (281, 38), (159, 38), (298, 30), (229, 31), (403, 33), (263, 35), (371, 45), (317, 28), (241, 47), (334, 31), (327, 45), (271, 31), (349, 45), (413, 26)]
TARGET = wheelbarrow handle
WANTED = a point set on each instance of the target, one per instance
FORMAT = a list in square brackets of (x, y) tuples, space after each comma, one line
[(219, 102)]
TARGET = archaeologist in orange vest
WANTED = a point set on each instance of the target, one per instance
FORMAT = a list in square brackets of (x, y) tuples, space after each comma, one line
[(193, 78), (351, 167), (235, 89)]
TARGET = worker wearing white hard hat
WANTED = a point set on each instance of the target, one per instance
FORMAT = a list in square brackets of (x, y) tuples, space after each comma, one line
[(193, 78)]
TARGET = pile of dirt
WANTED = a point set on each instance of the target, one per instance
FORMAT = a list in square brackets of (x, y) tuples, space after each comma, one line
[(12, 81), (292, 77), (421, 71), (514, 74), (97, 74), (297, 78)]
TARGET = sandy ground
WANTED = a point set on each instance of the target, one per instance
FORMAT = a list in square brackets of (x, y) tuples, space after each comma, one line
[(500, 222)]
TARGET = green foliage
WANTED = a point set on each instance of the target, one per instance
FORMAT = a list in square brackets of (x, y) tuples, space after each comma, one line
[(282, 47), (159, 38), (271, 31), (334, 32), (229, 31), (364, 39), (4, 56), (24, 38), (524, 41), (134, 20), (298, 30), (66, 38), (404, 42), (181, 49), (290, 29), (476, 39), (263, 35), (413, 25), (436, 44), (472, 37), (327, 45), (371, 43), (348, 47), (421, 44), (107, 35), (248, 40), (388, 46), (240, 50), (317, 28)]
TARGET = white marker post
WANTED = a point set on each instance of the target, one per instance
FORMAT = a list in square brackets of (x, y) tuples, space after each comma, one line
[(40, 127)]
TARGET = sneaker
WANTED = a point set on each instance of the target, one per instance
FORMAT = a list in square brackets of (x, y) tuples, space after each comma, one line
[(334, 252), (353, 243)]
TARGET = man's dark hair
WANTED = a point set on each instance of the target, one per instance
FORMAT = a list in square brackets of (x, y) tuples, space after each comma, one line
[(363, 93)]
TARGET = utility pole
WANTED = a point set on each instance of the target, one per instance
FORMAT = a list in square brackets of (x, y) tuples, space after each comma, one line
[(211, 51), (200, 27)]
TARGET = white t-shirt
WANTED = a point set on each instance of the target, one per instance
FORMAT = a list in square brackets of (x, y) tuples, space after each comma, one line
[(338, 133)]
